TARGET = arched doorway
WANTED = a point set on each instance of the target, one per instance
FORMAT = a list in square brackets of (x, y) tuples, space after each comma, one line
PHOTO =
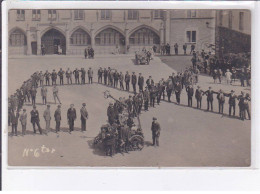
[(79, 41), (143, 38), (17, 42), (54, 42), (110, 40)]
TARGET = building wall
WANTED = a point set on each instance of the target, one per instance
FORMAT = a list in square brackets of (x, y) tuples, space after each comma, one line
[(203, 24), (171, 28)]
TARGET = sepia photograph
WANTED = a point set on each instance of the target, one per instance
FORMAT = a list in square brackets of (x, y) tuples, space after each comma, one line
[(129, 88)]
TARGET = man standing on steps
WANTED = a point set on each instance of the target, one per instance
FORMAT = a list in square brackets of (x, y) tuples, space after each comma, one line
[(90, 76), (140, 82), (83, 76), (76, 74), (127, 81), (156, 129), (33, 94), (35, 119), (100, 73), (44, 92), (47, 117), (55, 91), (57, 116), (68, 76), (60, 74), (71, 116), (121, 81), (84, 117), (105, 76), (53, 77), (134, 79)]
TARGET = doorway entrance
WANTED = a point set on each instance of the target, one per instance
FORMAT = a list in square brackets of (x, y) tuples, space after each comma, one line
[(54, 42)]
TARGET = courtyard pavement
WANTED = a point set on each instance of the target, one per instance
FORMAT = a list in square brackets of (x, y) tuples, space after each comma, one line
[(189, 137)]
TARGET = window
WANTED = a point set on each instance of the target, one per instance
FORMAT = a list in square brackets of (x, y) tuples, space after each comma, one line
[(144, 36), (241, 20), (220, 17), (36, 14), (191, 13), (17, 38), (109, 37), (132, 14), (21, 14), (52, 14), (80, 37), (191, 36), (105, 14), (158, 14), (78, 14), (230, 19)]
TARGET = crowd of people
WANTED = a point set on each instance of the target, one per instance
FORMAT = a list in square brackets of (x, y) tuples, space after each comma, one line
[(145, 96)]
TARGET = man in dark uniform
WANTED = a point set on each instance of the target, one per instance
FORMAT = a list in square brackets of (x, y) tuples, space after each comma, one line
[(153, 94), (198, 96), (14, 121), (146, 98), (129, 103), (178, 89), (241, 106), (83, 76), (57, 117), (140, 82), (60, 74), (116, 77), (149, 82), (160, 92), (127, 80), (35, 119), (33, 94), (156, 129), (169, 88), (53, 77), (100, 73), (84, 116), (246, 106), (47, 78), (105, 76), (121, 81), (209, 93), (71, 116), (190, 92), (68, 76), (184, 48), (232, 102), (221, 101), (76, 74), (111, 113), (134, 80)]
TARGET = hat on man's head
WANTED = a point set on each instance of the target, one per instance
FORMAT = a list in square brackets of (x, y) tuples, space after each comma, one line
[(34, 106), (24, 109), (154, 118), (84, 104), (232, 91), (48, 105), (209, 87), (59, 106)]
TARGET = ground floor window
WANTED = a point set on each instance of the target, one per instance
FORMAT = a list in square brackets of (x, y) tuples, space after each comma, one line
[(109, 37), (191, 36), (144, 36), (80, 37), (17, 38)]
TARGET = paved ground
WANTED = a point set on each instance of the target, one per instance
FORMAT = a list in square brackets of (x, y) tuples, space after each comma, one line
[(189, 137)]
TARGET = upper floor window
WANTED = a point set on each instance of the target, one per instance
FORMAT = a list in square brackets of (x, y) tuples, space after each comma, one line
[(191, 13), (78, 14), (36, 14), (241, 20), (191, 36), (158, 14), (52, 14), (230, 15), (105, 14), (132, 14), (21, 14)]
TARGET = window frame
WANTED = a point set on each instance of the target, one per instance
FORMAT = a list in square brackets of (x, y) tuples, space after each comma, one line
[(107, 15), (51, 13), (37, 15), (21, 15), (158, 14), (78, 14), (190, 39), (191, 13), (132, 14)]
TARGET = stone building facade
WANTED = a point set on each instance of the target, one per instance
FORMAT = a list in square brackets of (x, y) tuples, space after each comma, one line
[(108, 31)]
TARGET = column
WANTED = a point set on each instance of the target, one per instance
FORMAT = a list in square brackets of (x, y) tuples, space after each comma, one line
[(167, 27), (29, 46), (92, 36), (38, 36), (126, 40), (67, 42), (161, 34)]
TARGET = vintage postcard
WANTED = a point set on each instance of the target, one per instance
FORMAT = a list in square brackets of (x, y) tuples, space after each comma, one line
[(129, 87)]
